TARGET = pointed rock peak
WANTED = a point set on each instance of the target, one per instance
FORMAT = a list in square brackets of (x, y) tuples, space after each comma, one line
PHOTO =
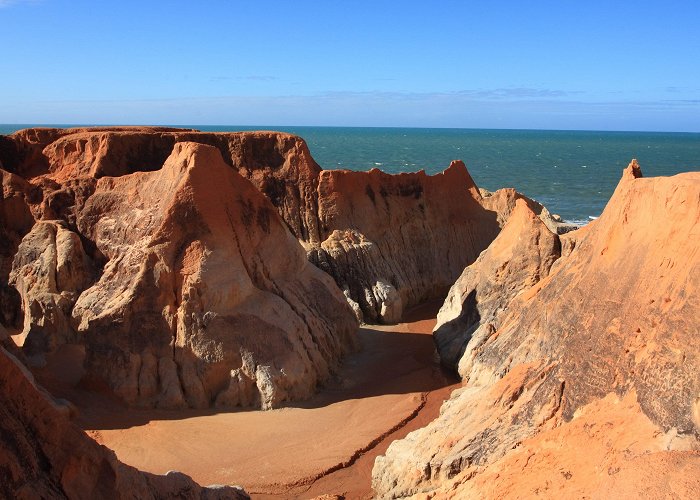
[(633, 171), (522, 211), (521, 221), (456, 165), (457, 169), (458, 172)]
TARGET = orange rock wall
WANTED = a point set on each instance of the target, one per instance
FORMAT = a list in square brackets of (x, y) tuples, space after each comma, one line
[(617, 315)]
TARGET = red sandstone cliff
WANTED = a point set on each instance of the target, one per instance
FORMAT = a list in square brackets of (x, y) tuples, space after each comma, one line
[(183, 282), (396, 241), (585, 382)]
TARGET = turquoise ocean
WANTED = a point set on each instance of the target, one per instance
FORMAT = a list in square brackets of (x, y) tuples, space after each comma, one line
[(573, 173)]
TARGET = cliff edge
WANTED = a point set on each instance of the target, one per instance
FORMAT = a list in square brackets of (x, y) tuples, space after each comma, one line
[(601, 355)]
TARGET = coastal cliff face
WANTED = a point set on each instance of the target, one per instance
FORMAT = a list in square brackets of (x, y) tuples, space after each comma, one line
[(182, 281), (44, 455), (183, 262), (601, 355), (393, 241), (389, 241)]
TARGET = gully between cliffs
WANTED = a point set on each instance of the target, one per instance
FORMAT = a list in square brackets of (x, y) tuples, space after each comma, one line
[(327, 444), (167, 282)]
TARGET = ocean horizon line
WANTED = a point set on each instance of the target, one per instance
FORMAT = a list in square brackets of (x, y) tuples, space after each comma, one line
[(21, 126), (572, 173)]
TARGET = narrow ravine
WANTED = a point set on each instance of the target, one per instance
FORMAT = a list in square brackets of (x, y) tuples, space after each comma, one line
[(326, 445)]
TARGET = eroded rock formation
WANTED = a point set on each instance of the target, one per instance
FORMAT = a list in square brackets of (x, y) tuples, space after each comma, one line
[(503, 202), (394, 241), (204, 289), (609, 338), (180, 260), (44, 455), (49, 271), (180, 278), (518, 258)]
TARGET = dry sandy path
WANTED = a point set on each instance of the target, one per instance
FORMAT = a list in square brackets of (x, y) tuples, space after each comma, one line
[(323, 446)]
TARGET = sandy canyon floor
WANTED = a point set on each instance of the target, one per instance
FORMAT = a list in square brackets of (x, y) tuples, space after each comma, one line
[(326, 445)]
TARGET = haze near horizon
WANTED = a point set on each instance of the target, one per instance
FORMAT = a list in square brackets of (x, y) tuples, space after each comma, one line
[(552, 65)]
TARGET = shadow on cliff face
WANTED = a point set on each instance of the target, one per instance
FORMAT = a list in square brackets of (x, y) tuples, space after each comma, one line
[(9, 157), (390, 362), (453, 336), (393, 359), (396, 359)]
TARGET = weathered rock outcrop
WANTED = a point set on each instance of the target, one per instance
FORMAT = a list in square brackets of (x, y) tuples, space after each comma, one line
[(206, 297), (616, 320), (518, 258), (392, 241), (49, 271), (503, 202), (395, 241), (44, 455), (180, 300)]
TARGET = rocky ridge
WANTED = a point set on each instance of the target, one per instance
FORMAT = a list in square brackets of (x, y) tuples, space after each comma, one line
[(608, 338), (362, 245)]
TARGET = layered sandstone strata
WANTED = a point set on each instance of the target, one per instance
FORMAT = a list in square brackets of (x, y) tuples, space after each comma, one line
[(602, 354)]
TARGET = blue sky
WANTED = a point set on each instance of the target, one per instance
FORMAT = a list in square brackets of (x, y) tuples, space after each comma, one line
[(478, 64)]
